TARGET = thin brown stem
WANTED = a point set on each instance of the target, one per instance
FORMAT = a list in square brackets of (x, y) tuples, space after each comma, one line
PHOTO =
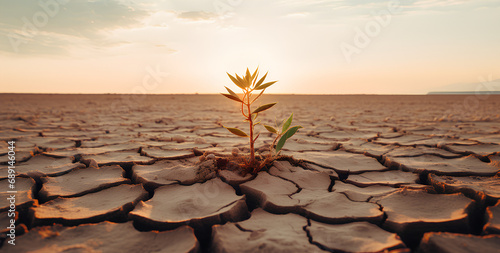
[(250, 120), (242, 104), (272, 145)]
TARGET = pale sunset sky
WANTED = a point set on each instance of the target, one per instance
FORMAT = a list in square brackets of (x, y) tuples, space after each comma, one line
[(187, 46)]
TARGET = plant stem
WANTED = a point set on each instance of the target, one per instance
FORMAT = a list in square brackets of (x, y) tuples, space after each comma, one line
[(272, 145), (252, 152), (243, 103)]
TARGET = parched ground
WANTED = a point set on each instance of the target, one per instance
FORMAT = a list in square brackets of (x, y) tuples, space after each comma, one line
[(133, 173)]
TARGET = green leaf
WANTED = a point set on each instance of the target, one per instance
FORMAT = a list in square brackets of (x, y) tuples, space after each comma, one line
[(266, 85), (236, 81), (236, 131), (287, 123), (261, 81), (232, 92), (263, 107), (286, 136), (255, 75), (254, 116), (235, 98), (248, 76), (271, 129), (242, 81)]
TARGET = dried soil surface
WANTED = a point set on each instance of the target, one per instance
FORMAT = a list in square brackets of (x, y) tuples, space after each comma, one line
[(130, 173)]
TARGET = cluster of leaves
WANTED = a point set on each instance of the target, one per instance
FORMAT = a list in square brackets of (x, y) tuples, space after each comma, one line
[(248, 84)]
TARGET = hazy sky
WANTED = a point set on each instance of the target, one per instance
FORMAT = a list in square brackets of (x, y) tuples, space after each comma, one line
[(186, 46)]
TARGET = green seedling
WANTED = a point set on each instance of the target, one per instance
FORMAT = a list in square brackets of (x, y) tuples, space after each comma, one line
[(282, 135), (249, 83)]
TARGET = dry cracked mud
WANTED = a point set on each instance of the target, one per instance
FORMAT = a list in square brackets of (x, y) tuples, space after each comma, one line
[(116, 173)]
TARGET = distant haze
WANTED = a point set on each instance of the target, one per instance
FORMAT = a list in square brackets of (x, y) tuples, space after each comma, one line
[(310, 46), (482, 87)]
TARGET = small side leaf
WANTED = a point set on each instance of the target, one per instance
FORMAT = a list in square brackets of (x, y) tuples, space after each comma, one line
[(287, 123), (266, 85), (232, 93), (254, 116), (263, 107), (286, 136), (271, 129), (236, 131), (235, 98)]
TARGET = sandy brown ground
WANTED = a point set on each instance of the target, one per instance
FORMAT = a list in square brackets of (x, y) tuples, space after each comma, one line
[(106, 173)]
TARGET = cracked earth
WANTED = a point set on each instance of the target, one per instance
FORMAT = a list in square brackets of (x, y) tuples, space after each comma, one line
[(116, 173)]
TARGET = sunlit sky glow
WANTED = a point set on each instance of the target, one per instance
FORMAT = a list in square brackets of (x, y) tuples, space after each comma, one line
[(186, 46)]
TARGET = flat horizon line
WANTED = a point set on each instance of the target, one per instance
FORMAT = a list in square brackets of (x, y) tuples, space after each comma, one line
[(159, 94), (280, 94)]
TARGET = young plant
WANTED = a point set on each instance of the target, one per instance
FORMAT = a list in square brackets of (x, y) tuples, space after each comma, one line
[(282, 135), (248, 84)]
